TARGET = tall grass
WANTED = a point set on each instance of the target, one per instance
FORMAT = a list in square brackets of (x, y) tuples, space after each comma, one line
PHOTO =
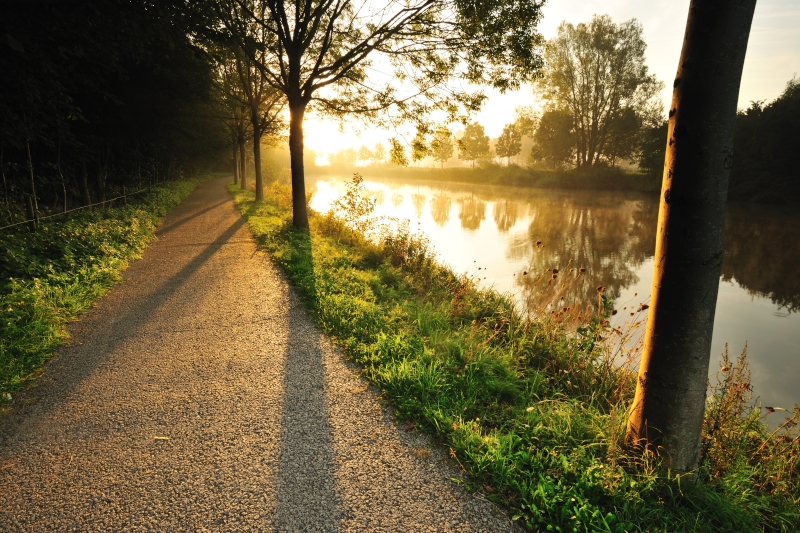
[(531, 405), (49, 277)]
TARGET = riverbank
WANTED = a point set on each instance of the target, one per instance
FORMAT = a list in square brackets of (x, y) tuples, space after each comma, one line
[(49, 277), (533, 411), (513, 175)]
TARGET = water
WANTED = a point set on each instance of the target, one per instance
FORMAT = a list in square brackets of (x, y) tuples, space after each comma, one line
[(491, 233)]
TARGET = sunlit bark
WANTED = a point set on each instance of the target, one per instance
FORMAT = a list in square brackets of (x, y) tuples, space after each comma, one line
[(668, 409)]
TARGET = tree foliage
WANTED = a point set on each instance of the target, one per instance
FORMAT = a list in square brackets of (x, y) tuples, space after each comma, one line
[(474, 144), (324, 51), (442, 145), (98, 95), (554, 139), (596, 73), (765, 150), (509, 144)]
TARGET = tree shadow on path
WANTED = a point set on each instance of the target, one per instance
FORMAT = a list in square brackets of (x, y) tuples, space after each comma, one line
[(307, 499)]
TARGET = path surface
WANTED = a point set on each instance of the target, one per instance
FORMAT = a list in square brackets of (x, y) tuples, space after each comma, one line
[(268, 428)]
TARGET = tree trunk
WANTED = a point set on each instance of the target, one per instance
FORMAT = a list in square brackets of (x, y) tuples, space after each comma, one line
[(61, 173), (101, 182), (669, 405), (235, 164), (5, 185), (33, 180), (299, 208), (84, 185), (257, 156), (242, 166)]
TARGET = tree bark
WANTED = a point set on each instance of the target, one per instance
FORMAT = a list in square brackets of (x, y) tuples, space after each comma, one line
[(235, 164), (84, 184), (669, 404), (243, 165), (299, 208), (257, 155), (61, 173), (33, 180), (5, 185)]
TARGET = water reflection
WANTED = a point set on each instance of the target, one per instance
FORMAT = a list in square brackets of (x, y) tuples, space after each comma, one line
[(419, 202), (472, 212), (440, 208), (612, 236), (607, 236), (505, 214), (762, 254)]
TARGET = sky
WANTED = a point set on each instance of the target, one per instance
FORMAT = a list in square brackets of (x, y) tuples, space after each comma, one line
[(773, 57)]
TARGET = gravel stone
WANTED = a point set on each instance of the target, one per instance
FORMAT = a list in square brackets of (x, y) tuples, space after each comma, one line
[(198, 395)]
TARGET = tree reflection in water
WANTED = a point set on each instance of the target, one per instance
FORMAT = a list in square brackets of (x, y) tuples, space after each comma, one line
[(440, 208), (472, 212), (397, 199), (505, 214), (419, 202), (762, 253), (609, 237)]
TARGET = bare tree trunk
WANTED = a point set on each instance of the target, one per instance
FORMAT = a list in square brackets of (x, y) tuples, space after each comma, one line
[(84, 184), (299, 208), (670, 396), (100, 179), (235, 164), (5, 185), (243, 166), (257, 156), (33, 180), (60, 173)]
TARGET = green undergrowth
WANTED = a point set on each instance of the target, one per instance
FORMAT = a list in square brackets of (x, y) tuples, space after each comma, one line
[(49, 277), (532, 411)]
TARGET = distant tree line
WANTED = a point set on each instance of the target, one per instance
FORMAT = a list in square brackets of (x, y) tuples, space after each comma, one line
[(99, 95), (764, 166)]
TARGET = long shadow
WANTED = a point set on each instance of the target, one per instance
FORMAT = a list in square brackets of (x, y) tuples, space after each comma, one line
[(307, 498), (127, 326), (178, 223)]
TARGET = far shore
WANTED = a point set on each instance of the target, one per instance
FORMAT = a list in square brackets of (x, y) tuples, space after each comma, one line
[(513, 175)]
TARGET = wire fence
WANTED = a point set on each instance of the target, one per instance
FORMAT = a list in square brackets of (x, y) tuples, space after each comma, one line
[(36, 220)]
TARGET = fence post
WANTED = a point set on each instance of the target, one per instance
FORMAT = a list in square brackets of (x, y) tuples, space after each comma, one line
[(31, 214)]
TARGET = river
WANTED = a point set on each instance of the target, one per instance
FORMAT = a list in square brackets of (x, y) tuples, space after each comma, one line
[(492, 234)]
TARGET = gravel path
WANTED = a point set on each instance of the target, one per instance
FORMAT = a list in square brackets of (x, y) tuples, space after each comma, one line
[(199, 396)]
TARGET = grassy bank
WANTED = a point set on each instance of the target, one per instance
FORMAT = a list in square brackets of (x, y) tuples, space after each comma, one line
[(516, 176), (49, 277), (533, 411)]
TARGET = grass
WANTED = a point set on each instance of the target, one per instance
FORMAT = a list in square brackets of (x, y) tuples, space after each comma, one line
[(531, 409), (49, 277)]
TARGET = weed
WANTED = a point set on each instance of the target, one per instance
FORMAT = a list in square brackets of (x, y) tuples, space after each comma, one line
[(529, 402)]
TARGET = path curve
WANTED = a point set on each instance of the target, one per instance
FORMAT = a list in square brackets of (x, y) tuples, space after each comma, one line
[(198, 396)]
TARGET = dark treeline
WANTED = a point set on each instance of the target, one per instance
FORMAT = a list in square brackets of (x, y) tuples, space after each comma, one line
[(99, 95), (765, 165)]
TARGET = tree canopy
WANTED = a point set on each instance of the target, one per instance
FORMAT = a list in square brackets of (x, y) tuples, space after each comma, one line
[(509, 144), (765, 147), (97, 95), (474, 144), (326, 52), (596, 73)]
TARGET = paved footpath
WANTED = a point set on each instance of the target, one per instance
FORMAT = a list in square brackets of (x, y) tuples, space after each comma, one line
[(198, 396)]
